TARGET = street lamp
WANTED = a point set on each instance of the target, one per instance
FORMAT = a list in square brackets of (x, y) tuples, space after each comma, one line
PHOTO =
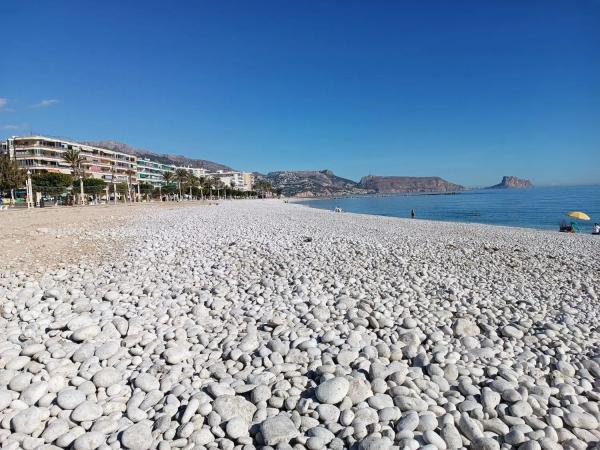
[(81, 190), (114, 190), (29, 190)]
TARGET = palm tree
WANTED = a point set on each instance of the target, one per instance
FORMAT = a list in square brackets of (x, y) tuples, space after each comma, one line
[(262, 187), (11, 175), (113, 178), (130, 174), (218, 183), (192, 181), (201, 184), (74, 159), (214, 184), (168, 177), (208, 184), (181, 175)]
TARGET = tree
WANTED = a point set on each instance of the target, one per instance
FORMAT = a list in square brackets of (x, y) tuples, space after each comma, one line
[(181, 175), (94, 184), (74, 159), (192, 181), (218, 184), (146, 187), (208, 185), (168, 177), (52, 183), (201, 184), (263, 187), (113, 179), (169, 189), (130, 174), (11, 175)]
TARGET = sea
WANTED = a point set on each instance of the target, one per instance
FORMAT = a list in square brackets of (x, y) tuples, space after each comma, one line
[(538, 207)]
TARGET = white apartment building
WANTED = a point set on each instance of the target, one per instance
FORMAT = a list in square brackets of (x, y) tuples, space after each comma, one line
[(248, 178), (199, 172), (152, 172), (46, 154), (242, 181)]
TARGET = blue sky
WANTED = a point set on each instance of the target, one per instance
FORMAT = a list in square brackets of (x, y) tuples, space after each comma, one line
[(469, 91)]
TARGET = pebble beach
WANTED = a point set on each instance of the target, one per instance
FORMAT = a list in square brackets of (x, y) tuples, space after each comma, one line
[(270, 325)]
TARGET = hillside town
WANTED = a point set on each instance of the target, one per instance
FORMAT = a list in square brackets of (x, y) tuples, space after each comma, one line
[(55, 169)]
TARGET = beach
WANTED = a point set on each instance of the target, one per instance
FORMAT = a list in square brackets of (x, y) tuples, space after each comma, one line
[(34, 240), (264, 324)]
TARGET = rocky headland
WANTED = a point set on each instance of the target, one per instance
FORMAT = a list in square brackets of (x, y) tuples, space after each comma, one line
[(510, 182)]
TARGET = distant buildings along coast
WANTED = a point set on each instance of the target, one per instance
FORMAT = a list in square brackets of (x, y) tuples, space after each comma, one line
[(46, 154)]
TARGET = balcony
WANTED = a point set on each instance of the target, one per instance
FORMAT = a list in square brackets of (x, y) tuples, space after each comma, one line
[(21, 156)]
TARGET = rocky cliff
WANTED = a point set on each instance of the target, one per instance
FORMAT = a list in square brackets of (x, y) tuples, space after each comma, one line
[(393, 185), (510, 182)]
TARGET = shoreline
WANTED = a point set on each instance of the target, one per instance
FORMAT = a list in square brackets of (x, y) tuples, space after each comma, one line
[(377, 195), (434, 221), (477, 228), (458, 211), (465, 190)]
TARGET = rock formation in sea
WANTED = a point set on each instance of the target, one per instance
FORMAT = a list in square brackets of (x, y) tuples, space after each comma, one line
[(510, 182)]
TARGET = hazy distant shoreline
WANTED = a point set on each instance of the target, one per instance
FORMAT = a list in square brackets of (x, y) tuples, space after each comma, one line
[(367, 195)]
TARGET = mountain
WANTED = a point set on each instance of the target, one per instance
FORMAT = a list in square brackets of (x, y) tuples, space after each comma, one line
[(322, 183), (394, 185), (177, 160), (510, 182), (325, 183)]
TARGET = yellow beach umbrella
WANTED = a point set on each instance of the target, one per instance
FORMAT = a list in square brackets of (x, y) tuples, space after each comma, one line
[(578, 215)]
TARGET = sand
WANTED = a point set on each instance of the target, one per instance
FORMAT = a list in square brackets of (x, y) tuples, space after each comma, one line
[(33, 240)]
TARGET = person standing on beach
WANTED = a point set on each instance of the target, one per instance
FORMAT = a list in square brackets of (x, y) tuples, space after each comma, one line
[(413, 213)]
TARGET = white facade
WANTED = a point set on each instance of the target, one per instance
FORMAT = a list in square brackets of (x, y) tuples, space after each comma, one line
[(46, 154), (198, 172), (152, 172), (242, 181)]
